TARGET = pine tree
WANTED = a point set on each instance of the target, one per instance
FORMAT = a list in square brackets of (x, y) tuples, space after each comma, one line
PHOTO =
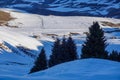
[(119, 57), (95, 44), (63, 51), (71, 49), (55, 56), (115, 56), (40, 63)]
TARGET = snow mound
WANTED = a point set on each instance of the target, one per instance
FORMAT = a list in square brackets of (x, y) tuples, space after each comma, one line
[(86, 69)]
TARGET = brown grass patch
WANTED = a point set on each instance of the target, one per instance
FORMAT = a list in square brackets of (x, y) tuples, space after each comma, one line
[(105, 23), (4, 17)]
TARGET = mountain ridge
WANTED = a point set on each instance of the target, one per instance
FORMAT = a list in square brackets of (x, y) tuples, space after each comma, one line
[(104, 8)]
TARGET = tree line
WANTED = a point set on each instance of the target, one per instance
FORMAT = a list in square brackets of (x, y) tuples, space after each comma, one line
[(65, 50)]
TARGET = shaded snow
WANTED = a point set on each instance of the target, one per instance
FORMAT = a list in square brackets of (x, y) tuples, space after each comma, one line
[(86, 69)]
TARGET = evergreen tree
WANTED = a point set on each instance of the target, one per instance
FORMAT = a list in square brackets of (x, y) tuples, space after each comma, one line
[(55, 56), (40, 63), (71, 49), (68, 50), (115, 56), (63, 50), (95, 44), (119, 57)]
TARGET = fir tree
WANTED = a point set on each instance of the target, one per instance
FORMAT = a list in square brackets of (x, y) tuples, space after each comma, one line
[(71, 49), (119, 57), (115, 56), (63, 50), (95, 44), (55, 56), (40, 63)]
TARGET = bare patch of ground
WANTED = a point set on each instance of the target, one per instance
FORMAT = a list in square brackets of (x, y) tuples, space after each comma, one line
[(4, 17), (111, 24)]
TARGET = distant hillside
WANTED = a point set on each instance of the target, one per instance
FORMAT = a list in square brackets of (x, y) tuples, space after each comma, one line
[(104, 8)]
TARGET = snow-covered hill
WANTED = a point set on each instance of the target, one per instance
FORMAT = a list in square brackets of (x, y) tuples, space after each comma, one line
[(106, 8), (43, 28), (17, 52), (86, 69)]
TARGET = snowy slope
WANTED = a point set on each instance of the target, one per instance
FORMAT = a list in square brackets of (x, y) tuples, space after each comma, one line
[(16, 41), (86, 69), (34, 24), (42, 26), (17, 51), (107, 8), (13, 58), (14, 64)]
